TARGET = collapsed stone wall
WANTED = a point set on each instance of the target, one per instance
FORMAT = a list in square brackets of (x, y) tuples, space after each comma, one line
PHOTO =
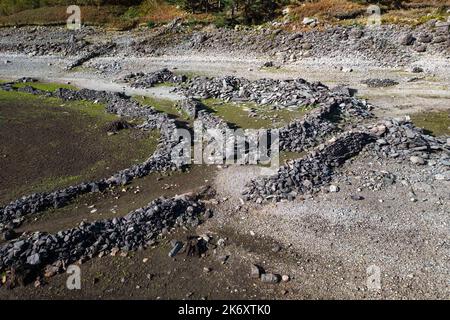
[(330, 117), (333, 107), (400, 139), (138, 229), (308, 173), (161, 160), (96, 51), (149, 80), (394, 138), (279, 93)]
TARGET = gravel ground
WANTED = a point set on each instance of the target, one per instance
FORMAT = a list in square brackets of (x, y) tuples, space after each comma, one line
[(326, 241), (336, 238)]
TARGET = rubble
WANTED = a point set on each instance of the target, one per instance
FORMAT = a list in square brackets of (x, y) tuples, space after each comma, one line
[(149, 80), (137, 229), (309, 173), (116, 103)]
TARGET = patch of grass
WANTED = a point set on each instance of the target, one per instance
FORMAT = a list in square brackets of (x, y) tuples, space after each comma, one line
[(275, 69), (45, 86), (54, 143), (325, 10), (163, 105), (289, 155), (237, 114), (159, 11), (91, 15), (413, 17), (434, 123), (165, 84), (54, 183), (190, 74)]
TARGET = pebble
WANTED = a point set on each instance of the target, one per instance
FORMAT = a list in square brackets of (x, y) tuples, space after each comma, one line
[(270, 278), (206, 270), (334, 188), (176, 247), (417, 160), (255, 271), (276, 248)]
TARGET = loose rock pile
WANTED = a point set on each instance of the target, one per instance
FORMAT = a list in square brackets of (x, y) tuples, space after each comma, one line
[(149, 80), (379, 83), (309, 173), (400, 139), (96, 51), (118, 104), (388, 45), (138, 229), (394, 138), (332, 114), (280, 93)]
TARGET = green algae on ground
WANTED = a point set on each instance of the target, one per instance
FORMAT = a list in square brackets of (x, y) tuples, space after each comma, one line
[(163, 105), (237, 114), (53, 143), (436, 123), (290, 155), (45, 86)]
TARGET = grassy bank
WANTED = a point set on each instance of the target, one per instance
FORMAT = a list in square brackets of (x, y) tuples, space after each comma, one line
[(53, 144), (434, 123)]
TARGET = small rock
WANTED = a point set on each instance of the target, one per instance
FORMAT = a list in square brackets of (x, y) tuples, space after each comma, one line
[(417, 160), (175, 249), (356, 197), (37, 283), (276, 248), (270, 278), (34, 259), (421, 48), (255, 271), (407, 40), (347, 70), (206, 270), (334, 188), (114, 251), (285, 278), (309, 21)]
